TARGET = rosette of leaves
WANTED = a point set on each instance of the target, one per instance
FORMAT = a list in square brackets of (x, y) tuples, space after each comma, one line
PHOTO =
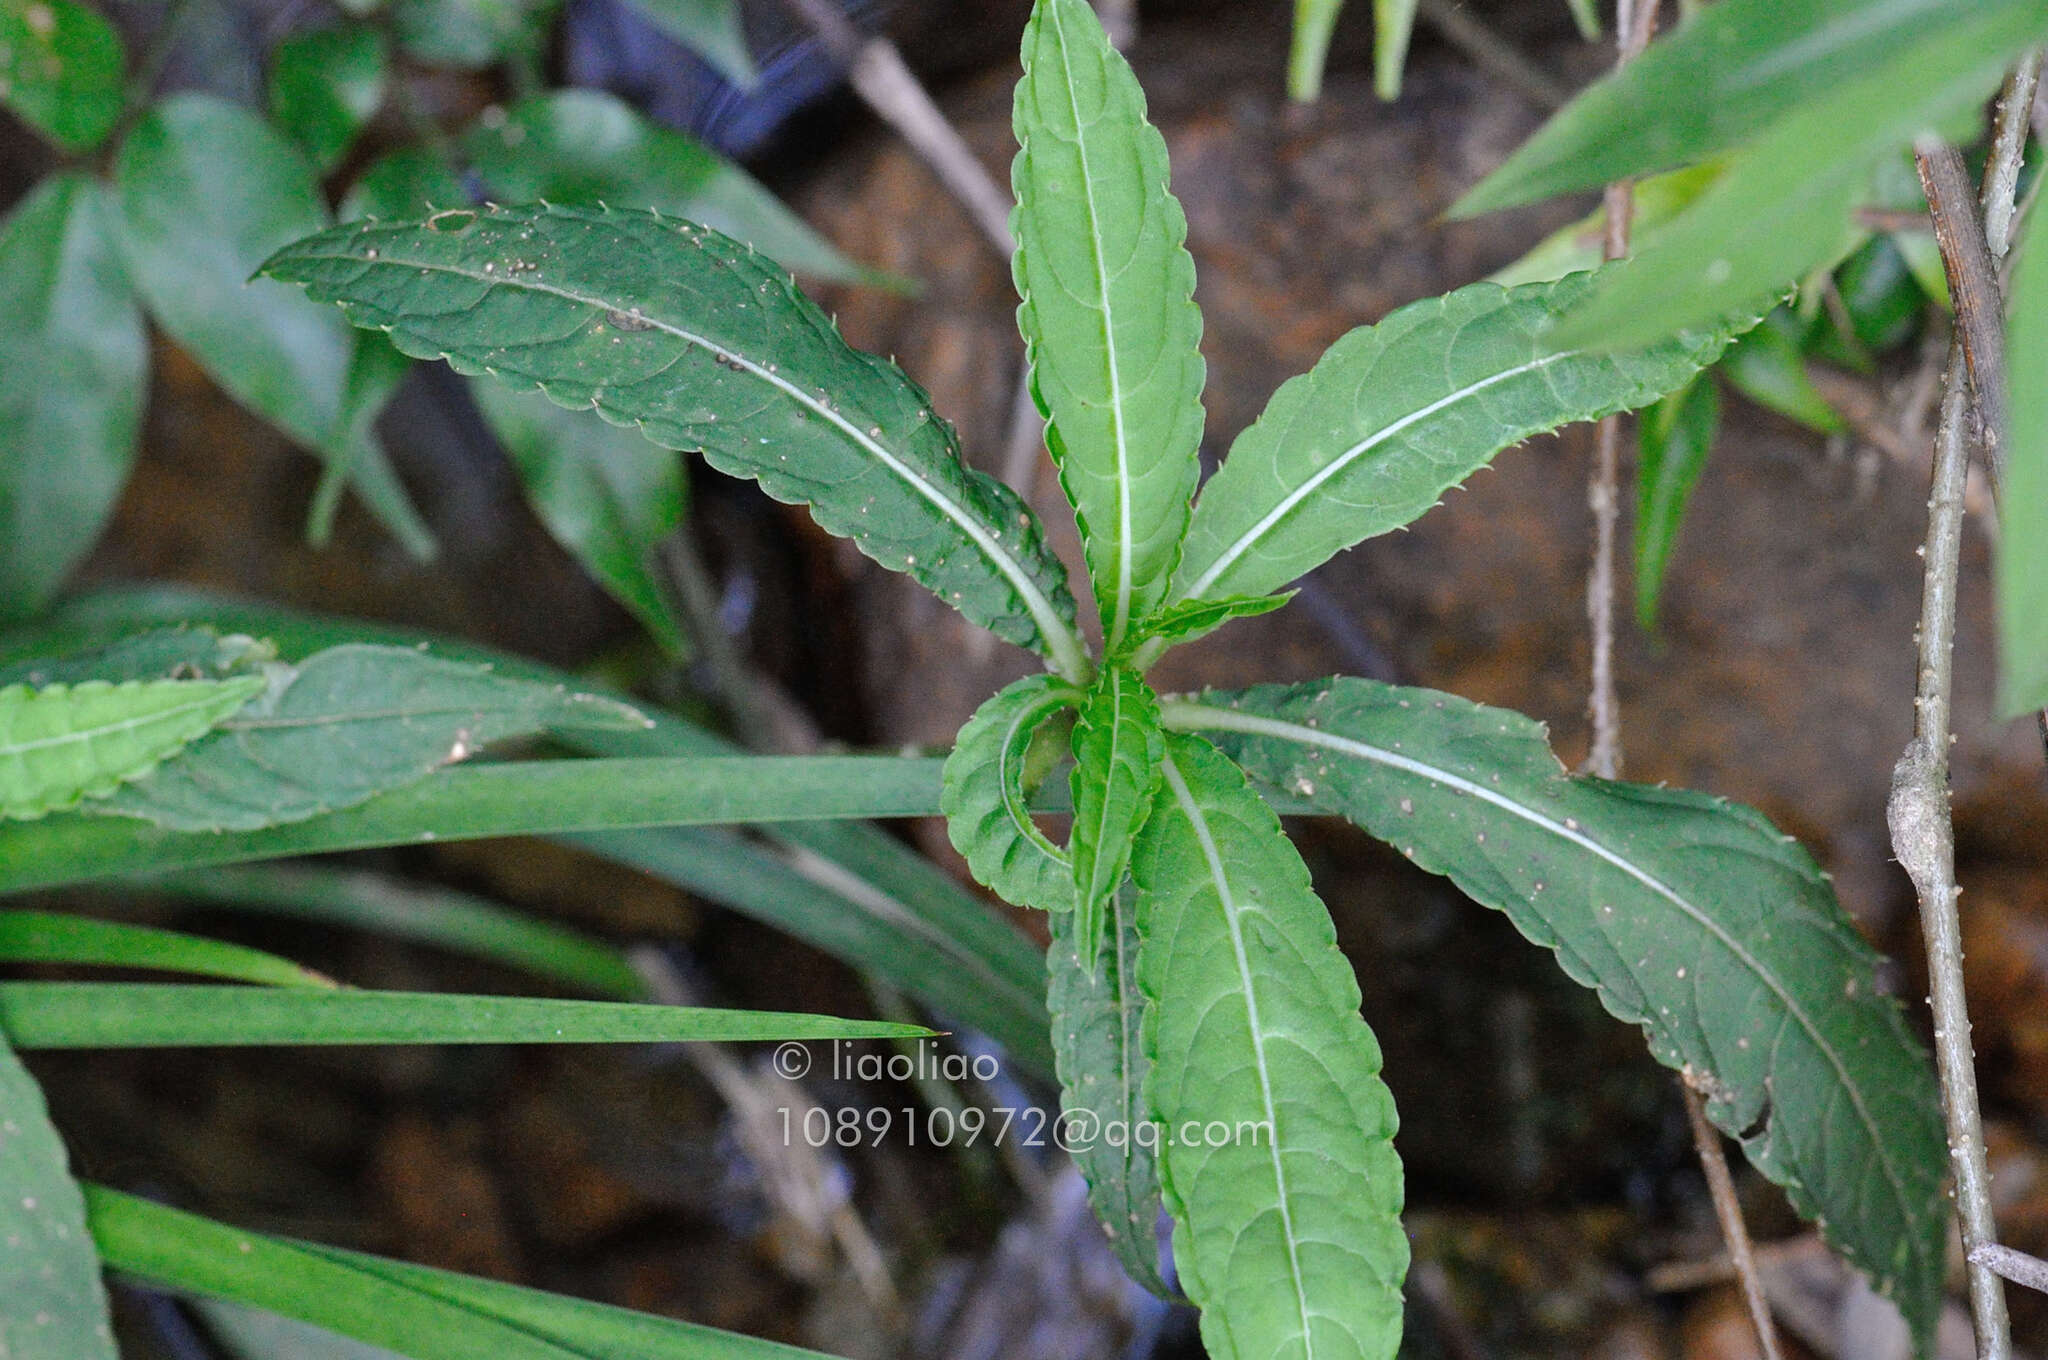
[(1195, 983)]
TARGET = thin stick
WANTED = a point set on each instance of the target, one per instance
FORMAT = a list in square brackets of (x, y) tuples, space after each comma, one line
[(1706, 1141), (1973, 286), (2030, 1272), (880, 76)]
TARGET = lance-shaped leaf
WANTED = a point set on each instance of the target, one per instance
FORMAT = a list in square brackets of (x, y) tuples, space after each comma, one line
[(1395, 414), (1693, 918), (1673, 439), (61, 70), (1393, 22), (65, 308), (1116, 775), (1726, 74), (1109, 317), (1315, 23), (987, 796), (47, 937), (1288, 1223), (49, 1275), (1782, 206), (1190, 619), (1097, 1016), (350, 723), (64, 743), (2022, 562), (703, 345)]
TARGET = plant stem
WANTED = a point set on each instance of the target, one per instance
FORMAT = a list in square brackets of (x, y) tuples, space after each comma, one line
[(1635, 21), (1923, 836), (2022, 1269)]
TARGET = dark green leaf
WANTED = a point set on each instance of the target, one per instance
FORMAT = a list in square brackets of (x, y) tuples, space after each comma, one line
[(61, 70), (711, 29), (346, 725), (2022, 565), (182, 653), (987, 797), (1693, 918), (56, 1306), (1315, 22), (73, 372), (1190, 619), (1673, 439), (1287, 1224), (584, 146), (207, 190), (1116, 747), (1767, 367), (526, 798), (1729, 72), (40, 1015), (698, 341), (422, 1313), (606, 494), (1108, 314), (1097, 1017), (45, 937), (325, 84), (1782, 205), (1395, 414), (62, 744), (1582, 245)]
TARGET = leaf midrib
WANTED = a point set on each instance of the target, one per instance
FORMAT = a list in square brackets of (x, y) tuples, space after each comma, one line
[(1204, 716), (1066, 649), (110, 729), (1249, 539), (1120, 619), (1221, 879)]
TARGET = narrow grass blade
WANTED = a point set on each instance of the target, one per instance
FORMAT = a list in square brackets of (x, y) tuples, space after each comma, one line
[(1315, 22), (1673, 439), (47, 937)]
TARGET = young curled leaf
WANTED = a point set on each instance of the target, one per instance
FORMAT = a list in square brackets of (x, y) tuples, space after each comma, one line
[(1116, 772), (986, 797)]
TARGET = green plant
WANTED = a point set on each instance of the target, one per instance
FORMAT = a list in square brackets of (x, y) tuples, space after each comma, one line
[(1194, 982)]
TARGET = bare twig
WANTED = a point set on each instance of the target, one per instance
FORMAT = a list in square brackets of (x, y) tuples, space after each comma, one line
[(1973, 286), (2030, 1272), (1491, 52), (880, 76), (1857, 402), (1706, 1141)]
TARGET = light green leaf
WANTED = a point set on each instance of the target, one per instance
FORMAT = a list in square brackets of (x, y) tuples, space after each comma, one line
[(1673, 439), (473, 33), (587, 147), (65, 743), (1393, 21), (350, 723), (471, 802), (988, 786), (1315, 23), (56, 1306), (407, 183), (39, 1015), (1783, 204), (419, 1312), (1117, 749), (1191, 619), (704, 346), (1586, 15), (1288, 1225), (1728, 73), (606, 495), (1394, 414), (1581, 246), (65, 308), (61, 68), (253, 1334), (206, 190), (1108, 316), (325, 85), (1097, 1017), (1693, 918), (420, 912), (711, 29), (2022, 554), (1767, 367), (46, 937)]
